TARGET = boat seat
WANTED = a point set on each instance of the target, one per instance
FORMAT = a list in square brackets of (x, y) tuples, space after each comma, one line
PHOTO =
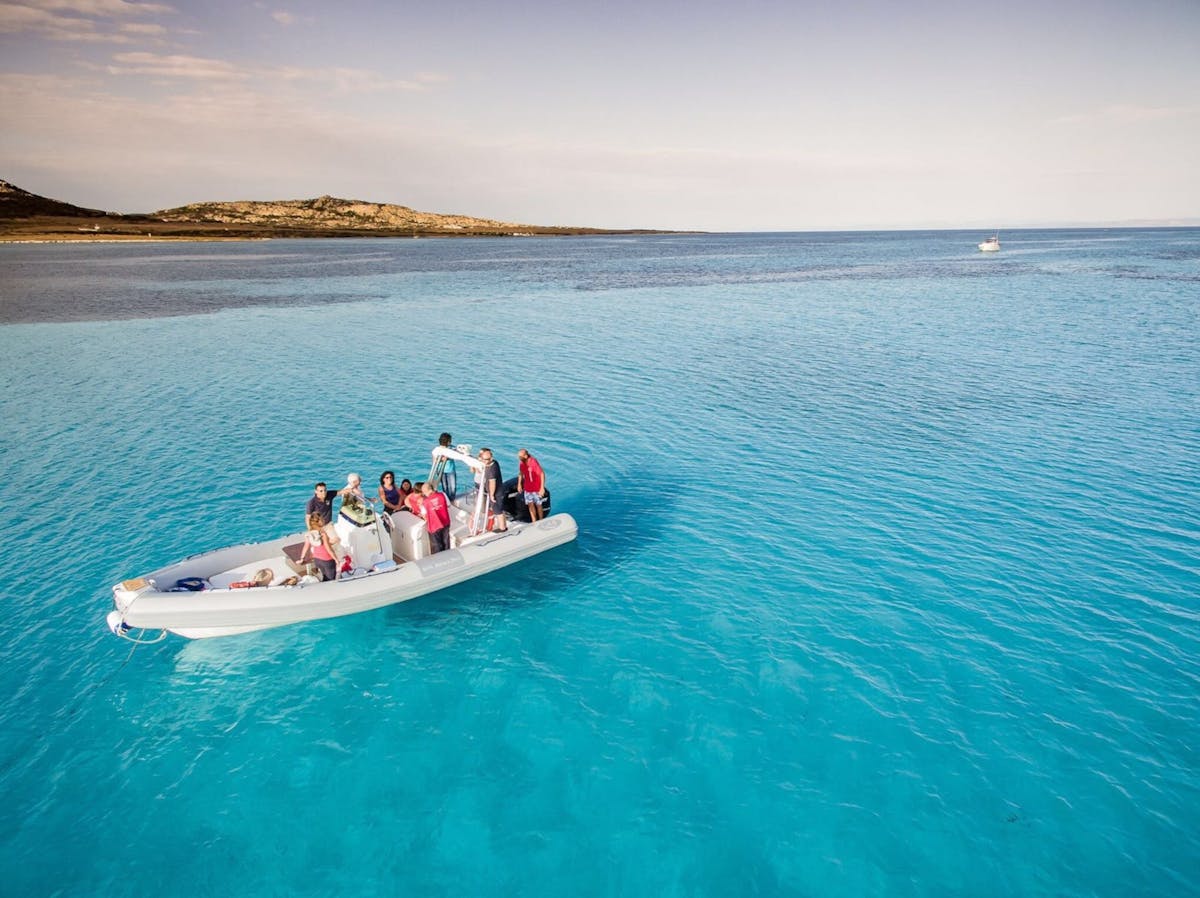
[(410, 539), (459, 532), (292, 554)]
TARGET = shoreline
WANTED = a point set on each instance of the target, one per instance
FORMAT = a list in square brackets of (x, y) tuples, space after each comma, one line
[(69, 229), (130, 239), (41, 237)]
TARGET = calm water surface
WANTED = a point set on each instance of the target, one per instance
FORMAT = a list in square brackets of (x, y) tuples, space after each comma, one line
[(886, 584)]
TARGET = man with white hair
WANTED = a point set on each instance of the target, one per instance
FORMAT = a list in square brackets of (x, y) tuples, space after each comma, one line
[(352, 494)]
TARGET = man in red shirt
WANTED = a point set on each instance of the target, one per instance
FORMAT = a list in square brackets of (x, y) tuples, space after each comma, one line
[(436, 512), (531, 481)]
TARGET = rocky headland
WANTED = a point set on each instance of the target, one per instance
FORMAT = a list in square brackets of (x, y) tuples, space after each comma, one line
[(26, 216)]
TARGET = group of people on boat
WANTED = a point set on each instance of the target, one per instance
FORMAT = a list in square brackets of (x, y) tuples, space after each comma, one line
[(429, 501)]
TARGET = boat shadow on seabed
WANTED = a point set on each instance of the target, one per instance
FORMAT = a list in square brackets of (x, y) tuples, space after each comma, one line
[(616, 524)]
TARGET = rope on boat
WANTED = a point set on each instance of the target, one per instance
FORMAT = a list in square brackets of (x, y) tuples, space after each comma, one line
[(124, 631), (380, 529), (99, 687)]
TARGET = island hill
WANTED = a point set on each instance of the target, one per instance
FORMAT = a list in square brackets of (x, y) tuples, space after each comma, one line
[(26, 216)]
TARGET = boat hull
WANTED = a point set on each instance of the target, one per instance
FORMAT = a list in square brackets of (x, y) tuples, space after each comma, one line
[(227, 612)]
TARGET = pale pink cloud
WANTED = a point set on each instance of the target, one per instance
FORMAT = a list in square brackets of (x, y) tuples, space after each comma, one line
[(336, 80), (99, 8), (77, 20), (145, 28), (352, 80), (175, 66)]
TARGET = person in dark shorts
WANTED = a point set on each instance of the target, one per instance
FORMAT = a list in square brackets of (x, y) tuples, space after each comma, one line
[(493, 488)]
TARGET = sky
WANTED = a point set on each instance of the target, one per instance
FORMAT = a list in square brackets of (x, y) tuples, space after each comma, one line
[(749, 116)]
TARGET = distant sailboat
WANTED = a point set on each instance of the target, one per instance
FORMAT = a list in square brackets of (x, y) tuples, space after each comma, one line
[(991, 245)]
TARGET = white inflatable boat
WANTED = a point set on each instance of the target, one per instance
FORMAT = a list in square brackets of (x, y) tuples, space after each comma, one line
[(198, 598)]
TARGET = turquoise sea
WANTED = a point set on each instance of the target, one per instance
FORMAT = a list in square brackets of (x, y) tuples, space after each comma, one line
[(887, 584)]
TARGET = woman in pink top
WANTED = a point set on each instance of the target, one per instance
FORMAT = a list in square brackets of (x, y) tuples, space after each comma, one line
[(319, 542)]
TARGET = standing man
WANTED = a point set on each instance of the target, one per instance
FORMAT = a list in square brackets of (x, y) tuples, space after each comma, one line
[(493, 488), (320, 502), (449, 471), (436, 512), (531, 481)]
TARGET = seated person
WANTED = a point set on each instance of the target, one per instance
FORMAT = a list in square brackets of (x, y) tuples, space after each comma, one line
[(389, 493), (262, 577)]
